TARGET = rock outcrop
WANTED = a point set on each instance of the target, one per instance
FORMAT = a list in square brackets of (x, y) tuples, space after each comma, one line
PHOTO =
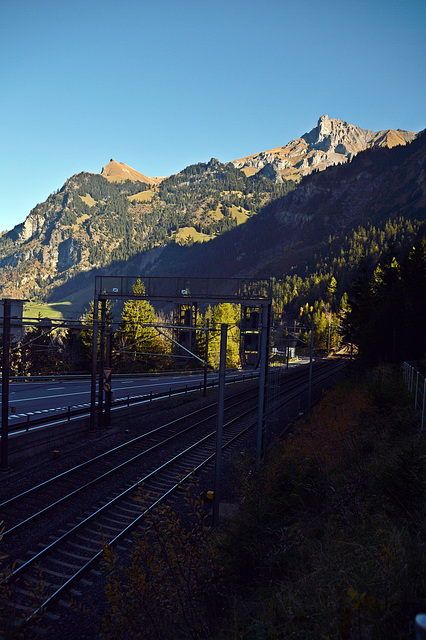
[(32, 226), (331, 142)]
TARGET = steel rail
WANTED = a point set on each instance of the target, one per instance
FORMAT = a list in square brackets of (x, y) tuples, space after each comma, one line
[(177, 485), (54, 545), (114, 469), (290, 394), (320, 377), (294, 384)]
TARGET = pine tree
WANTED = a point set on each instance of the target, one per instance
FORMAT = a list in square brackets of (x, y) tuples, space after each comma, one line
[(225, 313), (86, 335), (413, 306), (135, 336), (41, 350)]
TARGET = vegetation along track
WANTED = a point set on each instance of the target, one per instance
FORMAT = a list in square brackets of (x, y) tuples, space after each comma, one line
[(48, 516)]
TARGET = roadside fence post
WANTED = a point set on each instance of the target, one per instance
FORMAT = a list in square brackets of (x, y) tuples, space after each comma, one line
[(421, 626), (417, 389)]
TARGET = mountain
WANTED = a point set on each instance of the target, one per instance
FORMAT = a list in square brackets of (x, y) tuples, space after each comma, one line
[(377, 187), (212, 218), (95, 221), (331, 142), (120, 172), (316, 232)]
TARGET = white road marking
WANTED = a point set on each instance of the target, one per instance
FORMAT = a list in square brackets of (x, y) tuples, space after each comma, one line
[(76, 393)]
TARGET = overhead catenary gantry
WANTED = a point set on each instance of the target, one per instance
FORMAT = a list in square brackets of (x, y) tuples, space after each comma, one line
[(247, 290), (186, 294)]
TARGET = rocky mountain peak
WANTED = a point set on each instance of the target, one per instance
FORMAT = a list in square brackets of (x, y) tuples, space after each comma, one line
[(324, 125), (332, 141), (338, 136)]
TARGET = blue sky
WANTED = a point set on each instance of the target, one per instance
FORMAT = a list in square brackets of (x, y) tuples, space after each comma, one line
[(162, 85)]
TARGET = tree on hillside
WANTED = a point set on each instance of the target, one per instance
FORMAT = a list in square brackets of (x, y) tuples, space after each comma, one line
[(86, 335), (331, 290), (326, 324), (225, 313), (135, 339), (414, 301), (41, 350), (360, 301), (387, 308), (74, 352)]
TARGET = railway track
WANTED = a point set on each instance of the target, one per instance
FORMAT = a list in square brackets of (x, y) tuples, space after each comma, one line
[(47, 534)]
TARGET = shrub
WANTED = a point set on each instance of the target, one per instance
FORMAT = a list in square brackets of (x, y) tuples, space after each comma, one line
[(171, 586)]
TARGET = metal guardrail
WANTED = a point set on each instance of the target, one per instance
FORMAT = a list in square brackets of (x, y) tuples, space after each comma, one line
[(416, 384), (127, 401), (56, 377)]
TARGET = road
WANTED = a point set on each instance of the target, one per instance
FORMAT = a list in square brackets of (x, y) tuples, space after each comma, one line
[(37, 398)]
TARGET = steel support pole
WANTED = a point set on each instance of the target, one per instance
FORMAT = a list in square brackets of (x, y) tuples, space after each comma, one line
[(206, 356), (262, 383), (101, 366), (310, 366), (5, 386), (108, 394), (219, 432), (94, 365), (329, 331)]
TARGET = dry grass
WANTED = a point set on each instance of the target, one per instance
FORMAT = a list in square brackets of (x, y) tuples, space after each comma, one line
[(119, 172), (142, 196), (186, 233), (87, 199)]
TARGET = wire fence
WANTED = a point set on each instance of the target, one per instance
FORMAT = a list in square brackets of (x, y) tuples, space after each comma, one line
[(416, 384)]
